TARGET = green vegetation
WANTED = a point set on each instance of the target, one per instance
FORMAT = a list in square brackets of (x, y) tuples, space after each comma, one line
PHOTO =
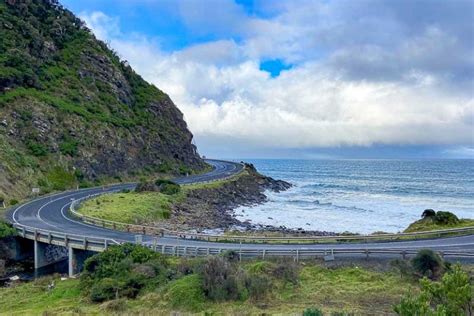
[(453, 295), (312, 312), (6, 230), (60, 179), (69, 146), (122, 272), (57, 81), (152, 201), (164, 186), (34, 298), (432, 220), (131, 208), (186, 292), (167, 187), (133, 279), (428, 263)]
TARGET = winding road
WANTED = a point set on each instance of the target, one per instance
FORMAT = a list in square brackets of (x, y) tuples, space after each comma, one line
[(49, 213)]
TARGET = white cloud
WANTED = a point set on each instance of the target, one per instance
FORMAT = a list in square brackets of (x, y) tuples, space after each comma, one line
[(104, 26), (391, 95)]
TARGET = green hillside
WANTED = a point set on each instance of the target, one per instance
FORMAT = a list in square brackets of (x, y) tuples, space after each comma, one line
[(72, 113)]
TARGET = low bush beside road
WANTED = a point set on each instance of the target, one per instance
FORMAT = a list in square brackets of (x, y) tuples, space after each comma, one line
[(6, 230), (432, 220)]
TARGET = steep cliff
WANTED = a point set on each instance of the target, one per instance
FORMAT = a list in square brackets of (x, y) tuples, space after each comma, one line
[(72, 113)]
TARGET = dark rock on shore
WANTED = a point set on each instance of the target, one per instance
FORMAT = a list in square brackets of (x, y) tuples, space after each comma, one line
[(211, 207)]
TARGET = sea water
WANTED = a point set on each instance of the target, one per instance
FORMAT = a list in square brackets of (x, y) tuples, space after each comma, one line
[(362, 196)]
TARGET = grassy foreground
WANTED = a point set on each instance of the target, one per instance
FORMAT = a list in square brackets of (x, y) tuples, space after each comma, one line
[(350, 289), (131, 279)]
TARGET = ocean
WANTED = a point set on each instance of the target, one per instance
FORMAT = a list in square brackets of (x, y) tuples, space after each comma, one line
[(362, 196)]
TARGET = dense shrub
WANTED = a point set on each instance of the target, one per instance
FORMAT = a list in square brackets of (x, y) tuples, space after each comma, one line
[(451, 296), (165, 167), (6, 230), (132, 267), (131, 286), (188, 266), (167, 187), (312, 312), (13, 202), (219, 280), (446, 218), (107, 263), (184, 170), (146, 186), (105, 289), (170, 189), (259, 286), (37, 149), (428, 263), (440, 217), (69, 146), (223, 279)]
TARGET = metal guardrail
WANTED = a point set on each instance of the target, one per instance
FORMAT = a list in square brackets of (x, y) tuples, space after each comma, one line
[(219, 179), (101, 244), (161, 231), (65, 240)]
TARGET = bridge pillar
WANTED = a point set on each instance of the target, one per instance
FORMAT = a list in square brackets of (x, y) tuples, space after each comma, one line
[(76, 259), (47, 254)]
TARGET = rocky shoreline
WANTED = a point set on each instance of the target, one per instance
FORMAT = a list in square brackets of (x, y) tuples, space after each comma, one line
[(211, 208)]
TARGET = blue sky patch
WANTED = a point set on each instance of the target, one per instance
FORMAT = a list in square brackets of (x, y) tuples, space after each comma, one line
[(274, 67)]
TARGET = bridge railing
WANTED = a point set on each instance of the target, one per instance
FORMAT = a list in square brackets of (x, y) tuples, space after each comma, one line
[(162, 230), (65, 240), (100, 244)]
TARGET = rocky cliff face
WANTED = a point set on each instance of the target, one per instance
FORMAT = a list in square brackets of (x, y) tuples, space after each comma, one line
[(72, 113)]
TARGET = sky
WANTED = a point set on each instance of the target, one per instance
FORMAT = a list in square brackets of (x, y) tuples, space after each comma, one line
[(305, 79)]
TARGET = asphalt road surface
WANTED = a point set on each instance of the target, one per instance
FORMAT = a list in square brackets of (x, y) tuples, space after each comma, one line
[(50, 213)]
